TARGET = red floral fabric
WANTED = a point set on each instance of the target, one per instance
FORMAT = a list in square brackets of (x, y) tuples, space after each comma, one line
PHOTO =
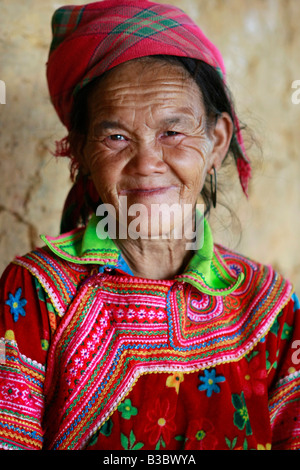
[(231, 406), (251, 403)]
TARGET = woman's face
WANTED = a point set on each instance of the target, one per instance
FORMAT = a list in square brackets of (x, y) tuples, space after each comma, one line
[(147, 138)]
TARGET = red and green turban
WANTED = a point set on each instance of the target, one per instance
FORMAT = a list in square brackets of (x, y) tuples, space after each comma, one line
[(91, 39)]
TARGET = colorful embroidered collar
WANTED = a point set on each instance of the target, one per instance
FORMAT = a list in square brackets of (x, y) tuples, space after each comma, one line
[(206, 271), (115, 328)]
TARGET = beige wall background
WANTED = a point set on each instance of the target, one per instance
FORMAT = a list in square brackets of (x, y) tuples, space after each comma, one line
[(260, 43)]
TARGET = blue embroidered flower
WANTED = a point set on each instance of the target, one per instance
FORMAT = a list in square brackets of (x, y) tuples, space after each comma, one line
[(210, 381), (16, 304)]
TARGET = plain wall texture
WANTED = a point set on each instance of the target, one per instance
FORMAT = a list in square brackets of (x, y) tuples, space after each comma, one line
[(260, 43)]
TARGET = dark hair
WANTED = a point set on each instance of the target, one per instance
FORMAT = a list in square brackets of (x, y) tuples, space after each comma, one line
[(216, 100)]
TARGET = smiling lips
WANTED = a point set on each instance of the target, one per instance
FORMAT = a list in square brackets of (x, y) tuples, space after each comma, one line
[(146, 191)]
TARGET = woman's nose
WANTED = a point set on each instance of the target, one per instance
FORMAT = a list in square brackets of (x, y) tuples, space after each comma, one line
[(147, 159)]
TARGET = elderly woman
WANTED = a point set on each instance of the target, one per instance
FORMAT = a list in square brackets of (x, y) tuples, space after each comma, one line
[(126, 335)]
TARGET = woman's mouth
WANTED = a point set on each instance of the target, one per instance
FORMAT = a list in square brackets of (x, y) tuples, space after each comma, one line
[(145, 191)]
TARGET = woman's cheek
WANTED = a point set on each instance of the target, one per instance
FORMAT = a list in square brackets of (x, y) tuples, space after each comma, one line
[(196, 164), (98, 160), (191, 154)]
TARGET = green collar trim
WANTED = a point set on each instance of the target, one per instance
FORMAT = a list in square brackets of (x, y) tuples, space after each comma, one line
[(204, 271), (83, 246)]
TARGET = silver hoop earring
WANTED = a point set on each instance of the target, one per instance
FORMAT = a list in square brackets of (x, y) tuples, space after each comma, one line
[(213, 186)]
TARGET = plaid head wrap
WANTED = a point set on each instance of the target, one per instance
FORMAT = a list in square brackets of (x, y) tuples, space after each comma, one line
[(91, 39)]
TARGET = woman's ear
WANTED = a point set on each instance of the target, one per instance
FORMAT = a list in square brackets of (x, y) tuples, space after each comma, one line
[(77, 144), (221, 136)]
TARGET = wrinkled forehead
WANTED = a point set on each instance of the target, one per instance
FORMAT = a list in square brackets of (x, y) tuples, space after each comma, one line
[(144, 80)]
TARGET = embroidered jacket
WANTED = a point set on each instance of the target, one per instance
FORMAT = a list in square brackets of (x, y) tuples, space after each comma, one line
[(92, 357)]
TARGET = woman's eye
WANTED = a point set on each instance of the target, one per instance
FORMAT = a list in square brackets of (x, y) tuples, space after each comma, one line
[(170, 133), (116, 141), (171, 137), (117, 137)]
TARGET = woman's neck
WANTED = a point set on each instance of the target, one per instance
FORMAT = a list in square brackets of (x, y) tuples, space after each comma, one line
[(155, 258)]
